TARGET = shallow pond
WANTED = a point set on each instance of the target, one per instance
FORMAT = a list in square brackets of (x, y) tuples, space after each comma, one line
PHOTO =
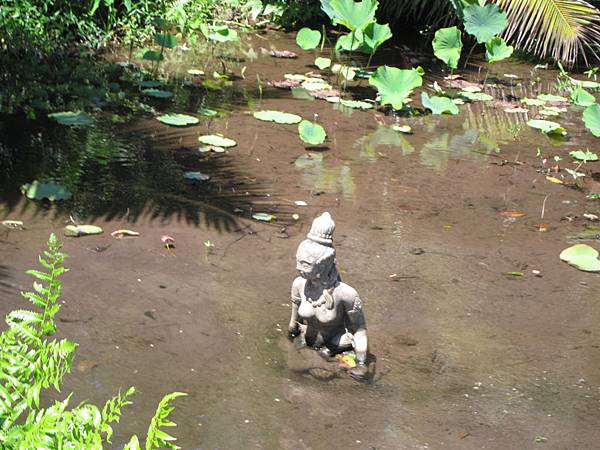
[(429, 226)]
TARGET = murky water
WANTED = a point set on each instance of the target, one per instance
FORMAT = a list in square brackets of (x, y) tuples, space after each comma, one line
[(464, 356)]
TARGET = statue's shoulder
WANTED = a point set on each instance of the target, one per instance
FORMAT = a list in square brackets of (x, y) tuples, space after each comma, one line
[(345, 291), (298, 284)]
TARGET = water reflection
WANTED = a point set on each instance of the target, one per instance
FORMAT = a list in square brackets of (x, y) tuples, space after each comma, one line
[(321, 176)]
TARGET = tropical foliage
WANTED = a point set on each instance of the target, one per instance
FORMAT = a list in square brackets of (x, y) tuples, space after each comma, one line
[(31, 362)]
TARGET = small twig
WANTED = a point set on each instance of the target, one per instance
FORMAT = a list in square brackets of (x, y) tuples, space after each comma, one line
[(544, 206)]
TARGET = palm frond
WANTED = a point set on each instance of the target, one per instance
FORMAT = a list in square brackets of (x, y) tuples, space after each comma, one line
[(562, 29)]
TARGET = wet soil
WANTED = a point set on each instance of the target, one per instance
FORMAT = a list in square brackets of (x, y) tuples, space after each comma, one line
[(464, 355)]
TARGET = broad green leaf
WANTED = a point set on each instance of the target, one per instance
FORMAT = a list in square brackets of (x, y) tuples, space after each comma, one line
[(356, 104), (222, 33), (207, 112), (349, 42), (476, 96), (591, 118), (497, 50), (353, 15), (51, 191), (82, 230), (447, 46), (308, 39), (178, 120), (72, 118), (345, 71), (322, 63), (438, 105), (581, 97), (157, 93), (484, 22), (166, 40), (327, 9), (552, 98), (217, 140), (373, 35), (277, 117), (533, 101), (151, 55), (311, 133), (584, 156), (548, 127), (394, 84), (581, 256)]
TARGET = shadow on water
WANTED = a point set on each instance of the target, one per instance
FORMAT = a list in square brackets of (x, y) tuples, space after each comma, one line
[(4, 275)]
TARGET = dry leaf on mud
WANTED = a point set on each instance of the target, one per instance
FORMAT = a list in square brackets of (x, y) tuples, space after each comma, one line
[(120, 234), (554, 180), (541, 226), (13, 224), (285, 84), (283, 54), (513, 214)]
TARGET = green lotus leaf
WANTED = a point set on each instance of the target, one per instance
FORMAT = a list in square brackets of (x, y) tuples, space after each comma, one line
[(356, 104), (345, 71), (581, 97), (584, 156), (497, 50), (581, 256), (40, 191), (395, 85), (322, 63), (447, 46), (152, 55), (549, 112), (157, 93), (178, 120), (72, 118), (484, 22), (548, 127), (350, 42), (207, 112), (166, 40), (308, 39), (277, 117), (552, 98), (533, 101), (353, 15), (476, 96), (222, 33), (373, 35), (591, 118), (217, 140), (82, 230), (311, 133), (438, 105)]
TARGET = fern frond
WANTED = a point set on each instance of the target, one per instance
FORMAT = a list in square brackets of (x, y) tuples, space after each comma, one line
[(156, 438), (112, 411), (562, 29)]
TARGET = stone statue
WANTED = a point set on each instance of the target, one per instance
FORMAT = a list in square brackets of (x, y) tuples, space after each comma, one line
[(326, 313)]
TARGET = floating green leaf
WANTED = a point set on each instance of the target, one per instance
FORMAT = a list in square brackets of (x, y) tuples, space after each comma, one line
[(591, 118), (497, 50), (353, 15), (322, 63), (72, 118), (311, 133), (82, 230), (217, 140), (476, 96), (40, 191), (157, 93), (548, 127), (178, 120), (207, 112), (373, 35), (552, 98), (447, 46), (222, 33), (394, 84), (263, 217), (484, 22), (277, 117), (356, 104), (308, 39), (581, 256), (584, 156), (533, 101), (581, 97), (438, 105), (166, 40)]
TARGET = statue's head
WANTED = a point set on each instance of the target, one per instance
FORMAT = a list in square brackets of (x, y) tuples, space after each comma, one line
[(322, 230), (315, 258)]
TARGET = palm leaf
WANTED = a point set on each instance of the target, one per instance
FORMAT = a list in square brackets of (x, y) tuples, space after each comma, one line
[(562, 29)]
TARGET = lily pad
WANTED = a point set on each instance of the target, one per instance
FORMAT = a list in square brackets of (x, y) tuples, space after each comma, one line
[(277, 117), (356, 104), (497, 50), (533, 101), (584, 155), (552, 98), (222, 33), (447, 46), (217, 140), (207, 112), (82, 230), (263, 217), (51, 191), (581, 256), (395, 85), (548, 112), (484, 22), (311, 133), (294, 76), (438, 105), (211, 148), (72, 118), (196, 176), (476, 96), (178, 120), (120, 234), (581, 97), (322, 63), (548, 127), (308, 39), (157, 93), (591, 118)]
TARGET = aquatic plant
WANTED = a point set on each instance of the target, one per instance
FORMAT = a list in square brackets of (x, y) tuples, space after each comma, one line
[(447, 46), (311, 132), (31, 362), (395, 85), (308, 39), (438, 105), (591, 119)]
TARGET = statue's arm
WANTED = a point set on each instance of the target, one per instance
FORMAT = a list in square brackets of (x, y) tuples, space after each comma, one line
[(358, 324), (293, 328)]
